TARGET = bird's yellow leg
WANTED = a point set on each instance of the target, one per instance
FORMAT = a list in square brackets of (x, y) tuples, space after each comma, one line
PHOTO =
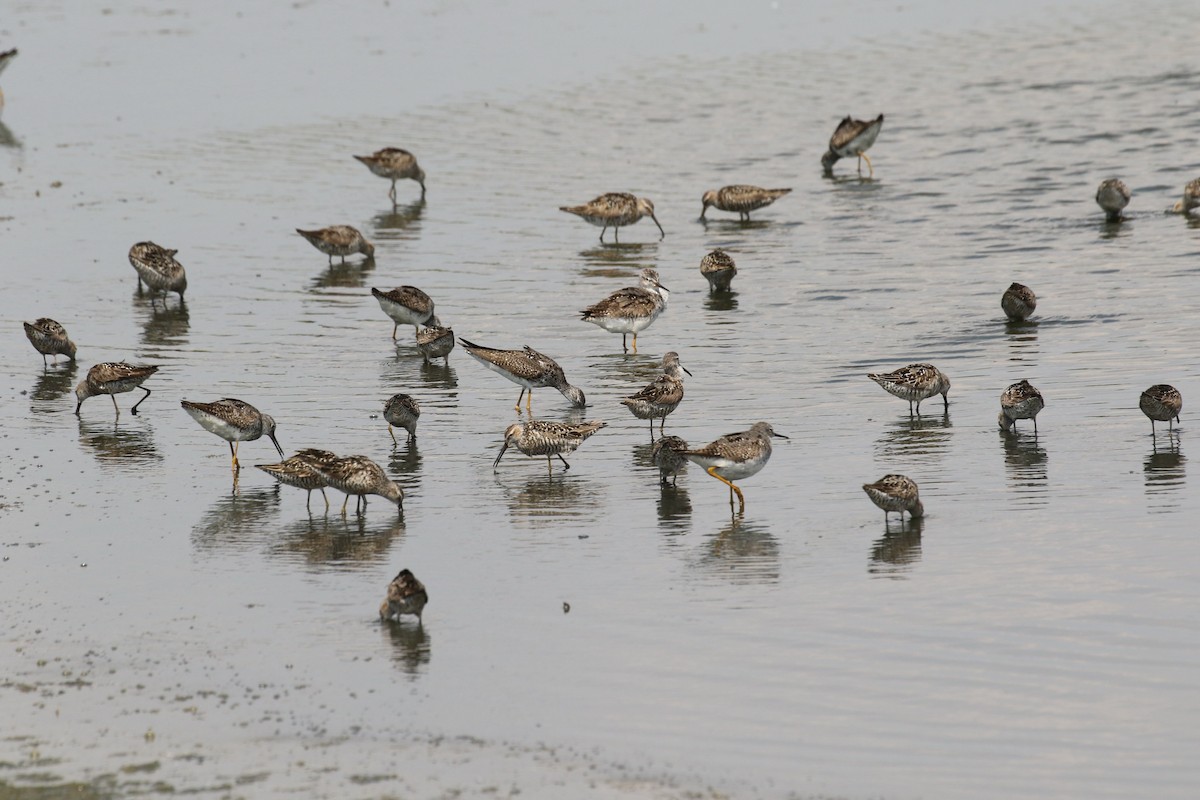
[(529, 403), (344, 502), (732, 488), (393, 434), (867, 158), (635, 342), (233, 448), (326, 498)]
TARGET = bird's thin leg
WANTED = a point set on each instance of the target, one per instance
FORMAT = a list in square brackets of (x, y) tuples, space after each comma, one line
[(522, 394), (395, 327), (635, 341), (732, 488), (616, 235), (867, 158), (529, 402), (326, 499), (344, 502), (113, 397), (549, 465), (308, 502), (624, 347), (343, 259), (331, 259), (393, 434), (602, 231), (139, 402), (1035, 426), (233, 448), (392, 192)]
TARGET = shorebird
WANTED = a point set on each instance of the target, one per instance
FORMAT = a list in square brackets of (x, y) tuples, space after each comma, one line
[(338, 240), (1191, 198), (360, 476), (113, 378), (402, 411), (1018, 302), (406, 305), (667, 454), (5, 59), (301, 472), (157, 268), (631, 309), (660, 397), (50, 339), (435, 342), (914, 383), (540, 438), (527, 368), (405, 595), (1161, 402), (1112, 196), (395, 164), (895, 493), (718, 269), (1020, 401), (740, 198), (615, 210), (736, 456), (234, 421), (852, 137)]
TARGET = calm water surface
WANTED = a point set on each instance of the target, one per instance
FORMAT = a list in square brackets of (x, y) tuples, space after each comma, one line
[(1034, 636)]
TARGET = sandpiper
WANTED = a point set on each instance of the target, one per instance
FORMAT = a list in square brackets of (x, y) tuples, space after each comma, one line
[(631, 309), (435, 341), (615, 210), (405, 595), (360, 476), (718, 269), (852, 138), (300, 471), (1191, 198), (736, 456), (914, 383), (338, 240), (541, 438), (1112, 196), (1020, 401), (895, 493), (234, 421), (662, 396), (402, 411), (1018, 302), (740, 198), (1161, 402), (395, 164), (406, 305), (5, 59), (527, 368), (49, 338), (667, 454), (113, 378), (157, 268)]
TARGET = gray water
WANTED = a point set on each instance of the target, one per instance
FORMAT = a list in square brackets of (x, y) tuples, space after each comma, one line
[(1034, 636)]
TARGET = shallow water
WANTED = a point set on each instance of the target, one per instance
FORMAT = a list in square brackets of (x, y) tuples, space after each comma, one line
[(1034, 636)]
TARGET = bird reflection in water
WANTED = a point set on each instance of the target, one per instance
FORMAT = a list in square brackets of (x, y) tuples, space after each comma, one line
[(351, 275), (238, 521), (129, 446), (333, 539), (400, 223), (915, 436), (898, 550), (1022, 340), (721, 301), (164, 325), (1025, 462), (411, 648), (1165, 474), (674, 509), (742, 552), (554, 499), (52, 385), (439, 376), (619, 259)]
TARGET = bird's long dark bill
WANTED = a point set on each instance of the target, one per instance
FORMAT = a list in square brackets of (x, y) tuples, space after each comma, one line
[(780, 436), (681, 366), (275, 442), (660, 230), (497, 461)]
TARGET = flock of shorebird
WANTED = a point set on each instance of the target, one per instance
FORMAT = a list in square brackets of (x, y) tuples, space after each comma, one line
[(629, 311)]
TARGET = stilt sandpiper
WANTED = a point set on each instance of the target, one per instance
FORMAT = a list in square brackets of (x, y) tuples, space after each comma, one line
[(395, 164), (360, 476), (631, 309), (1191, 198), (718, 269), (113, 378), (405, 595), (1018, 302), (1163, 403), (1020, 401), (406, 305), (339, 240), (736, 456), (914, 383), (402, 411), (741, 199), (528, 369), (540, 438), (667, 454), (157, 268), (300, 471), (435, 341), (234, 421), (895, 493), (1112, 196), (50, 339), (662, 396), (853, 137), (615, 210)]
